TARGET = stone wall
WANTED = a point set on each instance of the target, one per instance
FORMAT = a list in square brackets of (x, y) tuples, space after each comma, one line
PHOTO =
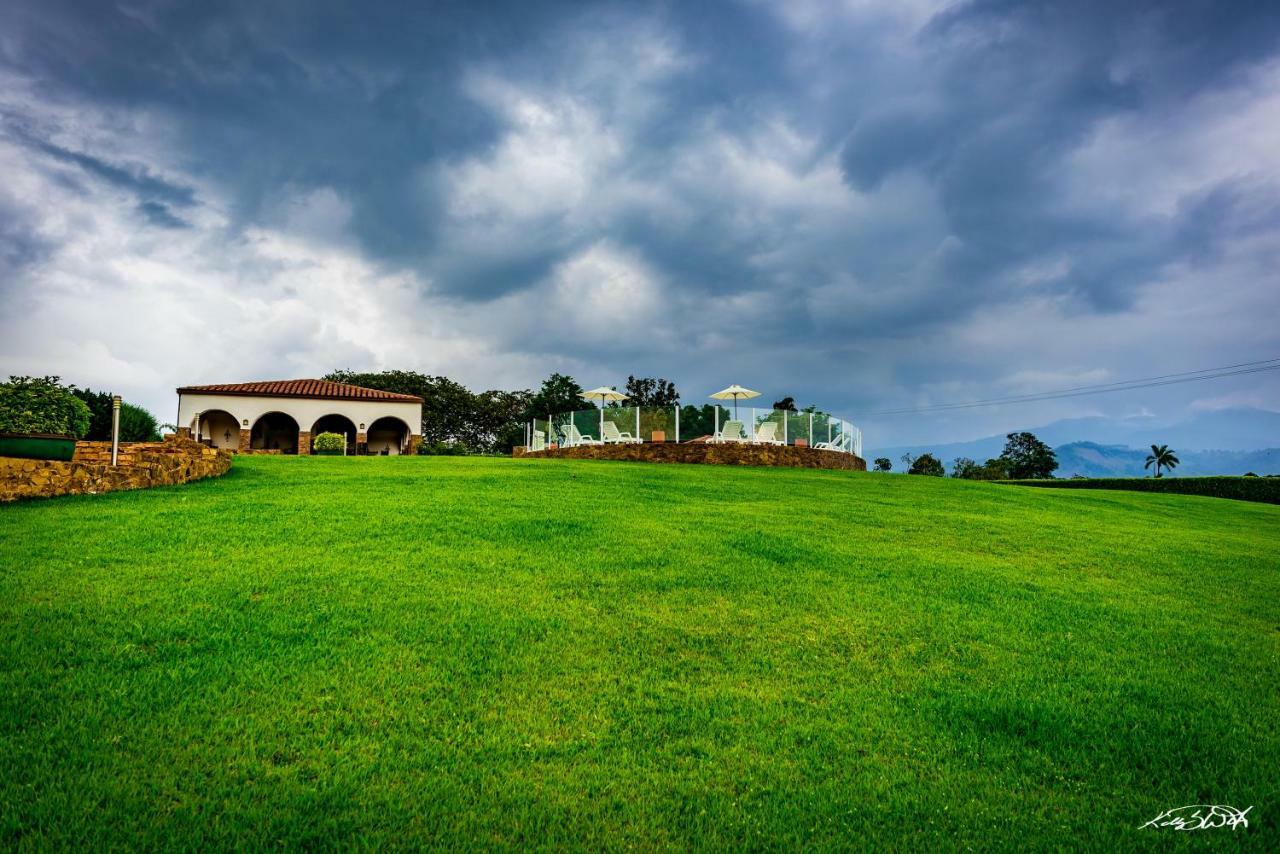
[(727, 454), (140, 465)]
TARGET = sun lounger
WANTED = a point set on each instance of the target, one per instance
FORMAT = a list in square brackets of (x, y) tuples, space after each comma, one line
[(614, 436), (572, 438), (730, 431), (766, 434)]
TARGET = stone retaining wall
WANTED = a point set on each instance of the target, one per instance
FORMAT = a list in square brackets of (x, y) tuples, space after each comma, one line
[(140, 465), (728, 454)]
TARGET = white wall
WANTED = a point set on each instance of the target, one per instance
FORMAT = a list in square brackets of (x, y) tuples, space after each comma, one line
[(305, 410)]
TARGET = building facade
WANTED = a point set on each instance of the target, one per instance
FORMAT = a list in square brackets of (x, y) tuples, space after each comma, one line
[(284, 415)]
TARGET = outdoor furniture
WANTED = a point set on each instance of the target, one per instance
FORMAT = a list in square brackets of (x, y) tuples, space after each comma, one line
[(766, 434), (573, 438), (614, 436), (731, 431), (836, 444)]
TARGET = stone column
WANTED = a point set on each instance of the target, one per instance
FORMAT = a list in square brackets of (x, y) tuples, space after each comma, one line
[(414, 442), (245, 438), (362, 443), (184, 432), (304, 443)]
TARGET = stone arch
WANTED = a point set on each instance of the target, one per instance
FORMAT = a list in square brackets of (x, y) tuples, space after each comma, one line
[(218, 428), (275, 431), (388, 434)]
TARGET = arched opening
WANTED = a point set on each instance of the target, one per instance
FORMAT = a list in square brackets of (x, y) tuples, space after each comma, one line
[(219, 429), (275, 431), (340, 424), (388, 436)]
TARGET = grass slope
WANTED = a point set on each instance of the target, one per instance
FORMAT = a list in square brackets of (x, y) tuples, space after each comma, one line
[(332, 652)]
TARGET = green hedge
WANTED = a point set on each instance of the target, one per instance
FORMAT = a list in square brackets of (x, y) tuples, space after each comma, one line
[(1263, 489)]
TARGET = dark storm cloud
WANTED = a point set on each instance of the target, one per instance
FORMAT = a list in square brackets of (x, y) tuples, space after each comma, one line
[(790, 185)]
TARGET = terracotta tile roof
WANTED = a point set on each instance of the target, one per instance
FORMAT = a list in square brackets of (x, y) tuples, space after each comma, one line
[(301, 388)]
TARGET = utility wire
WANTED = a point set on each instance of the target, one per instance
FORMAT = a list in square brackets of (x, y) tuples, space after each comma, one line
[(1102, 388)]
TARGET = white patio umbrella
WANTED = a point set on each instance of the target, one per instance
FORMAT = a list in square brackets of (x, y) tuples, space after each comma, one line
[(602, 394), (735, 393)]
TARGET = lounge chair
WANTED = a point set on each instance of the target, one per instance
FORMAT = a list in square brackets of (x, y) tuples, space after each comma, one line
[(766, 434), (836, 444), (572, 438), (730, 431), (614, 436)]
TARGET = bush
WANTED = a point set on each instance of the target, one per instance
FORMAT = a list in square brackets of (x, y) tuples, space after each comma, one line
[(329, 442), (1244, 488), (42, 405), (136, 423)]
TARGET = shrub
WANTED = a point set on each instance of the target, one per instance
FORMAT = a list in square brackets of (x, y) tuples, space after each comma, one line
[(1240, 488), (136, 423), (41, 405), (883, 464), (329, 442)]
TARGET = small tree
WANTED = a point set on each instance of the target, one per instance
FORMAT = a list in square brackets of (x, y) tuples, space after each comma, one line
[(883, 464), (1028, 457), (966, 469), (787, 404), (1161, 457), (927, 464), (329, 442)]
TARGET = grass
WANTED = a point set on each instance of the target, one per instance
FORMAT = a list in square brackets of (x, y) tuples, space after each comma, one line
[(498, 653)]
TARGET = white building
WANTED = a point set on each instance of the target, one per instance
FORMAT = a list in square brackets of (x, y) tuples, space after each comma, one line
[(284, 415)]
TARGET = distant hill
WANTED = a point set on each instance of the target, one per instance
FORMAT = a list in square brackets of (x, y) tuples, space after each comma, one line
[(1090, 459), (1225, 441)]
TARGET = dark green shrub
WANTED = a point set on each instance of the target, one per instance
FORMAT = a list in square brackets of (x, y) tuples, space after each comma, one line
[(329, 442), (1240, 488), (41, 405)]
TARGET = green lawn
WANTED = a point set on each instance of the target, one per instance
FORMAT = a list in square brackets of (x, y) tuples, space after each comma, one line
[(455, 651)]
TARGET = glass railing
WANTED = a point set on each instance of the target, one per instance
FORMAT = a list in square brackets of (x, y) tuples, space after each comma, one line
[(707, 423)]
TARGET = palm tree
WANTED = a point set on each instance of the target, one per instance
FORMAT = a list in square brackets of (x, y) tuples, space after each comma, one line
[(1162, 457)]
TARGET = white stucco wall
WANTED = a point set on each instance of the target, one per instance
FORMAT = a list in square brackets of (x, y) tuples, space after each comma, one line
[(305, 410)]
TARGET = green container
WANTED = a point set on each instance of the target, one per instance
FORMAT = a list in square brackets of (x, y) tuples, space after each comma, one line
[(37, 446)]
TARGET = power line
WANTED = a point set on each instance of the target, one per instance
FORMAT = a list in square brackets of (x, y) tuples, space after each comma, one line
[(1101, 388)]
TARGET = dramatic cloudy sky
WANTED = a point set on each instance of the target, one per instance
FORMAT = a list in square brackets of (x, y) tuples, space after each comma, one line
[(866, 205)]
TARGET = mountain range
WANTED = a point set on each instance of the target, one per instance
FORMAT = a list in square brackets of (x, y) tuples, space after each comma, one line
[(1225, 441)]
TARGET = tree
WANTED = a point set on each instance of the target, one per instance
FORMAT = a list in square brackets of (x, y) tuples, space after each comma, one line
[(559, 394), (136, 423), (99, 403), (1161, 456), (1028, 457), (650, 391), (927, 464), (787, 404), (966, 469), (697, 421), (907, 460), (883, 464)]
